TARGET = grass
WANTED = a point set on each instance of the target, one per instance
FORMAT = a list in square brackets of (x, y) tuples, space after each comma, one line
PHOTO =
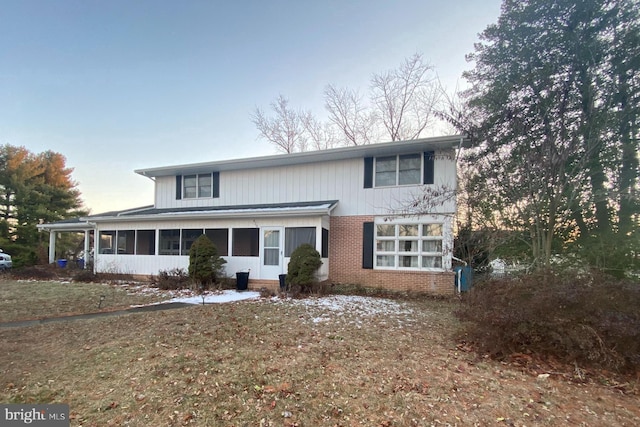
[(288, 363), (22, 300)]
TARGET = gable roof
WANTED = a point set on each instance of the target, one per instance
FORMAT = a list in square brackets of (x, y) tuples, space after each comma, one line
[(370, 150)]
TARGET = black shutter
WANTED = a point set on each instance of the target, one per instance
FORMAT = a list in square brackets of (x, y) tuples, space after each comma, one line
[(216, 184), (178, 187), (325, 243), (367, 245), (368, 172), (428, 167)]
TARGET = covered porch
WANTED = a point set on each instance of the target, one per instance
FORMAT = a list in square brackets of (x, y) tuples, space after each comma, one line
[(76, 225)]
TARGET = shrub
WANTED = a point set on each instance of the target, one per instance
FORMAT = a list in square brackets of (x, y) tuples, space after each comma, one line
[(173, 279), (36, 272), (584, 318), (305, 261), (86, 276), (205, 265)]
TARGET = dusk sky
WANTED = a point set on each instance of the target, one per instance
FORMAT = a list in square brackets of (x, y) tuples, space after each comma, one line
[(120, 85)]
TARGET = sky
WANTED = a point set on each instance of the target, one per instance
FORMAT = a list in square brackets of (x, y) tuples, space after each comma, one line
[(120, 85)]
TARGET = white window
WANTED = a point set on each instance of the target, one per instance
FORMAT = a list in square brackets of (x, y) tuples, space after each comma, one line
[(197, 186), (405, 169), (409, 246)]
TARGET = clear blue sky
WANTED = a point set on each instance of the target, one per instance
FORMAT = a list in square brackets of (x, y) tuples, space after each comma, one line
[(117, 85)]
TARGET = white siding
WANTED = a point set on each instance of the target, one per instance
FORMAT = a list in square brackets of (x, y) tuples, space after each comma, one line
[(337, 180)]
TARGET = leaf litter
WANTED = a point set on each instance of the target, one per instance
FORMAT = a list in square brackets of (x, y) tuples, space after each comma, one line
[(336, 360)]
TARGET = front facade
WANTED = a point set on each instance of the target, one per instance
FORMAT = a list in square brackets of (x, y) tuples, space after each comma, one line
[(355, 205)]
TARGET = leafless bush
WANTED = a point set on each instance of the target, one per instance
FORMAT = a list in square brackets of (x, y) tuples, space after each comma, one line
[(587, 318), (173, 279), (86, 276), (36, 272)]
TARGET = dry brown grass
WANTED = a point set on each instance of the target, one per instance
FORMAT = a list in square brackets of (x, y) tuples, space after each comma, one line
[(21, 300), (269, 363)]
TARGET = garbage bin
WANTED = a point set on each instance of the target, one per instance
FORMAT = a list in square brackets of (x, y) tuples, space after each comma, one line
[(80, 263), (283, 282), (242, 280), (62, 263), (463, 278)]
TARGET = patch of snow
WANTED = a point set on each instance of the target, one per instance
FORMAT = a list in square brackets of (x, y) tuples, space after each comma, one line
[(352, 309), (216, 298), (353, 304)]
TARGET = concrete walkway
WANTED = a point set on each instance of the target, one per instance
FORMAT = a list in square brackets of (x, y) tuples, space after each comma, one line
[(142, 309)]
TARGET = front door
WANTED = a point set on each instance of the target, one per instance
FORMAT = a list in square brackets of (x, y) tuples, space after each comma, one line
[(271, 252)]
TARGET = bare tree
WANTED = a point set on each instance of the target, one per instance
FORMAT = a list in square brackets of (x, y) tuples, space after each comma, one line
[(320, 135), (355, 121), (285, 128), (405, 98), (401, 103)]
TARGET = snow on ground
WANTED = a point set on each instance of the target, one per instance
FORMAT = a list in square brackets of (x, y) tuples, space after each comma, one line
[(352, 309), (216, 298)]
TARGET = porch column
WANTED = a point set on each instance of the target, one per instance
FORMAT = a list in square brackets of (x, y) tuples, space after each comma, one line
[(52, 246), (87, 238)]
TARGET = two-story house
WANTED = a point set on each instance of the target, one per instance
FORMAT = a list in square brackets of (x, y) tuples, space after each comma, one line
[(357, 206)]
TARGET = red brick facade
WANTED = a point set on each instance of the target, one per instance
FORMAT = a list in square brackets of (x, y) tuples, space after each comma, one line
[(345, 263)]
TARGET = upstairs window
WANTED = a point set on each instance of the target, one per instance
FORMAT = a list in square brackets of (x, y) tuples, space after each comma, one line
[(197, 186), (403, 169), (398, 170)]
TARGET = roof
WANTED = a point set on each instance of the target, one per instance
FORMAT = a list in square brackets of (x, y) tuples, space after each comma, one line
[(312, 208), (371, 150)]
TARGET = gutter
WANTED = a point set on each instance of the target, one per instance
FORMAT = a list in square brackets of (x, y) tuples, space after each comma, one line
[(217, 215)]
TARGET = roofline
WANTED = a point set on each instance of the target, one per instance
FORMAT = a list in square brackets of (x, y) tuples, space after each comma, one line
[(232, 213), (81, 225), (250, 211), (370, 150)]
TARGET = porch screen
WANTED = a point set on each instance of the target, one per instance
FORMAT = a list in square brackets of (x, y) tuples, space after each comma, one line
[(146, 242), (296, 236), (220, 238), (107, 242), (245, 242)]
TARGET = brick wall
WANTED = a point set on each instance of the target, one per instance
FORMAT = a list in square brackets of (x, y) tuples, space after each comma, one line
[(345, 263)]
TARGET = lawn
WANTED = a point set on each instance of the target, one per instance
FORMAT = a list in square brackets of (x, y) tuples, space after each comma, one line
[(333, 361), (23, 300)]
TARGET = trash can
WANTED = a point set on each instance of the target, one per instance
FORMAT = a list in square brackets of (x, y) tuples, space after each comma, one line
[(80, 263), (283, 282), (464, 278), (242, 280), (62, 263)]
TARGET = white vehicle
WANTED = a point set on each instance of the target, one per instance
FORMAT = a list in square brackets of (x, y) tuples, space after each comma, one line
[(5, 261)]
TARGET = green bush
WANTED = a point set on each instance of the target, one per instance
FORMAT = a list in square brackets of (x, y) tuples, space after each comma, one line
[(305, 261), (577, 317), (205, 265)]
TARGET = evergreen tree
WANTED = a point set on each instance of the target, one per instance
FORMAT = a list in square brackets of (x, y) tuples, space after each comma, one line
[(205, 265), (554, 100), (34, 189)]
